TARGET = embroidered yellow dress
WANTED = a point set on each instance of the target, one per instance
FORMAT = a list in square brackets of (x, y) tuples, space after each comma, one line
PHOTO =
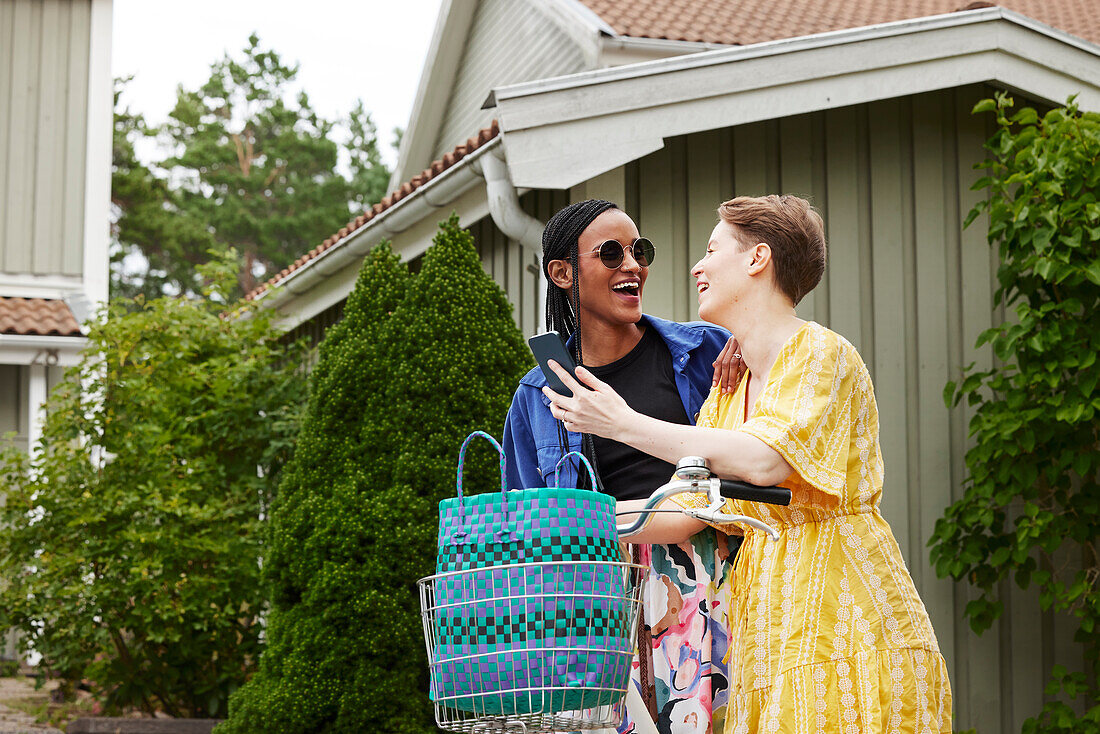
[(828, 632)]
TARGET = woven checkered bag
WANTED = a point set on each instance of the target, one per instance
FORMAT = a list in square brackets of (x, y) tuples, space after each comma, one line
[(531, 613)]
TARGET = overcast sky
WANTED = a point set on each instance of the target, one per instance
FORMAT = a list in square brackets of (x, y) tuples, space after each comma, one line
[(371, 49)]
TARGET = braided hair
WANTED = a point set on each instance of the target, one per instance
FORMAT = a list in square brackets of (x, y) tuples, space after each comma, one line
[(560, 242)]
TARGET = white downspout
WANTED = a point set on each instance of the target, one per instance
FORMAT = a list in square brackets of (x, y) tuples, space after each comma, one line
[(509, 217), (36, 404)]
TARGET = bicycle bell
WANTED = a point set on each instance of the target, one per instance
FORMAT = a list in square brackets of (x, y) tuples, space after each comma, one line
[(692, 468)]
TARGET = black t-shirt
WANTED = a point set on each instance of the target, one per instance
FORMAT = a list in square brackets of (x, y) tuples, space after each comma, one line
[(645, 380)]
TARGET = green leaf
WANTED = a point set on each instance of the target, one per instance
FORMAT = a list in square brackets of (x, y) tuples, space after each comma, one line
[(985, 105), (1026, 116), (1032, 487), (169, 519), (1092, 272), (415, 364), (274, 196), (949, 398)]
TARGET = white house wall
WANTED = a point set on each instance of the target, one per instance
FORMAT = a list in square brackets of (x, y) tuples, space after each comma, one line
[(510, 41), (44, 47)]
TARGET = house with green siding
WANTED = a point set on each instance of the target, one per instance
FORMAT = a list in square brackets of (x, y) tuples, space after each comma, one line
[(55, 191), (669, 107)]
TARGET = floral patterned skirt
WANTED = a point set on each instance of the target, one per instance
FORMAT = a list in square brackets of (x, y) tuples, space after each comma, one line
[(686, 608)]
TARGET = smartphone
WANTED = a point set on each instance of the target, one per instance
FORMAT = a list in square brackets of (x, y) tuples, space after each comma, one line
[(550, 346)]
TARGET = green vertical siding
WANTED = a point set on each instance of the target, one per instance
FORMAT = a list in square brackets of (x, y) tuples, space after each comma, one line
[(13, 403), (44, 46), (513, 267), (909, 287)]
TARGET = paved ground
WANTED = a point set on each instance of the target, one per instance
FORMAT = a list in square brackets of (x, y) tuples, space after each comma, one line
[(17, 722)]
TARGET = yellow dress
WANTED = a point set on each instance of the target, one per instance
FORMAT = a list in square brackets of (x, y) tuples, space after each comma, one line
[(828, 632)]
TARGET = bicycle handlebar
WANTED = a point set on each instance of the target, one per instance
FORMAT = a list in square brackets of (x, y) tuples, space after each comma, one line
[(695, 477), (713, 488), (735, 490)]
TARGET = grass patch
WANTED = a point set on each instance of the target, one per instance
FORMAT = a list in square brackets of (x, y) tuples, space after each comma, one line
[(46, 712)]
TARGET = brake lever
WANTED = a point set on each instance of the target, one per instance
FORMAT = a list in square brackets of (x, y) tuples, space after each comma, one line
[(712, 513)]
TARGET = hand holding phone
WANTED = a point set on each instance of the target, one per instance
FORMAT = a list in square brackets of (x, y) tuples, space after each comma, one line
[(550, 346)]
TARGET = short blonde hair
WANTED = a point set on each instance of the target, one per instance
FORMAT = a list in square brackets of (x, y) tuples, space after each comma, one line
[(794, 231)]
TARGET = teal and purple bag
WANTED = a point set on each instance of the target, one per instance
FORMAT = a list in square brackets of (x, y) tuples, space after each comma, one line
[(532, 609)]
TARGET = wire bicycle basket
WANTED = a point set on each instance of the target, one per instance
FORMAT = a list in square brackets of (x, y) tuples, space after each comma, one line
[(531, 618), (531, 647)]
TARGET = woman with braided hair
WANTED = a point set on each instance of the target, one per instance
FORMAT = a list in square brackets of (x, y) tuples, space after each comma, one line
[(596, 266)]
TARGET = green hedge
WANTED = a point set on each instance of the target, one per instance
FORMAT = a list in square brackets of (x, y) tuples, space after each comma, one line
[(129, 556)]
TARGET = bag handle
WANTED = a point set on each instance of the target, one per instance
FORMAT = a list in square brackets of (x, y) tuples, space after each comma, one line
[(584, 460), (459, 534)]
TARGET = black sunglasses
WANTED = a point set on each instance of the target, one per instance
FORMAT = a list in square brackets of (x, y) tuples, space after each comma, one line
[(612, 252)]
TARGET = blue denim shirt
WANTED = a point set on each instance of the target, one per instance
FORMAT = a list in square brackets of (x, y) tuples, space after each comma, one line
[(531, 433)]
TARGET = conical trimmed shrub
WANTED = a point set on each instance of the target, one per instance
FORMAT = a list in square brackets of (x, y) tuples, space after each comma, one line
[(416, 364), (321, 556), (455, 369)]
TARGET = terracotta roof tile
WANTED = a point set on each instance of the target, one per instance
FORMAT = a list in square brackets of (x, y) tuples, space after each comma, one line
[(437, 167), (741, 22), (38, 317)]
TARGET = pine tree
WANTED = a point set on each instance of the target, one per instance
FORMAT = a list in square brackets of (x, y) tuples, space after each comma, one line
[(245, 163), (147, 220)]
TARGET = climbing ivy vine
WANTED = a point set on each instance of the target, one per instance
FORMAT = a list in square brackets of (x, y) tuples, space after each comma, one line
[(1031, 507)]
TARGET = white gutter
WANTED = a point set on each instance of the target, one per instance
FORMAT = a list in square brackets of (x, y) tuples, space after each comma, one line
[(27, 285), (507, 214), (504, 203), (487, 163), (662, 46), (35, 349), (433, 195)]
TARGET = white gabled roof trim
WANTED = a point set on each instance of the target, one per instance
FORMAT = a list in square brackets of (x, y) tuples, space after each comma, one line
[(613, 116), (729, 54), (440, 66)]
